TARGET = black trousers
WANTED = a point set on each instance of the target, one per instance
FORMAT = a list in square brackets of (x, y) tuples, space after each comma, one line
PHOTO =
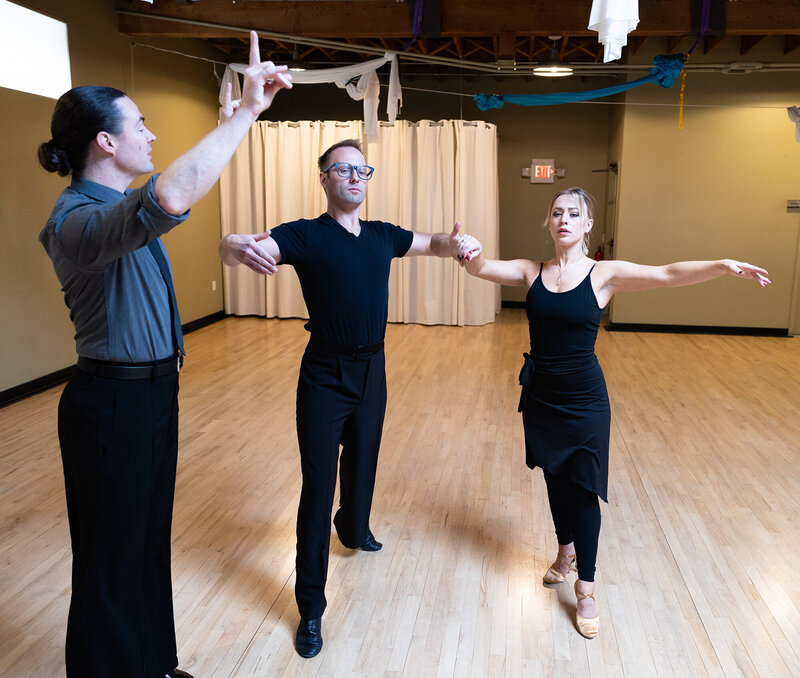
[(576, 517), (119, 444), (340, 401)]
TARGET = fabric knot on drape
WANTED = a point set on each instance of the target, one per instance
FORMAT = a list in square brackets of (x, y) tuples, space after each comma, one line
[(487, 101), (667, 68)]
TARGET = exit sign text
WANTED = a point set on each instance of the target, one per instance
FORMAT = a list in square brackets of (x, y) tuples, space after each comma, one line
[(543, 171)]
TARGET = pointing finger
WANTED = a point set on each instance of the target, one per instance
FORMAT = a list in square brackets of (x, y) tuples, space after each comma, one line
[(255, 55)]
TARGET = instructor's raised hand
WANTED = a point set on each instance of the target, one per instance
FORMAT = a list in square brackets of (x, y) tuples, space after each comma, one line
[(262, 80)]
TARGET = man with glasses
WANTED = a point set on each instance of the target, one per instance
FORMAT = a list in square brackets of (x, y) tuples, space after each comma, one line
[(343, 265)]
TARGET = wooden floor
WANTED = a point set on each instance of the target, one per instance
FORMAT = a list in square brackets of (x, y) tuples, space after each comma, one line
[(698, 569)]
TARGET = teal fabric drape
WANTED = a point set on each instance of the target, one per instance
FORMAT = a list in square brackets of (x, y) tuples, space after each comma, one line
[(665, 70)]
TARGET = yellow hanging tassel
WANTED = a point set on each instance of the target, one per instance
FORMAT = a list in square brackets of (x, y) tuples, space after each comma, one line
[(683, 87)]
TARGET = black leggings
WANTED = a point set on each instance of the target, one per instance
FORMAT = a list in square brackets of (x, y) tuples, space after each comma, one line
[(576, 516)]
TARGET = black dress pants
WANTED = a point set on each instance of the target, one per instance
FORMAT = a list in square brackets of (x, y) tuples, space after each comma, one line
[(341, 400), (119, 444)]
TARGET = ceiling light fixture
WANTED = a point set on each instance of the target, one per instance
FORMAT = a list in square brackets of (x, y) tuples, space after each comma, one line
[(295, 64), (554, 68)]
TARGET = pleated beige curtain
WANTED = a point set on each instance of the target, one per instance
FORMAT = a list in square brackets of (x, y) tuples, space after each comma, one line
[(427, 176)]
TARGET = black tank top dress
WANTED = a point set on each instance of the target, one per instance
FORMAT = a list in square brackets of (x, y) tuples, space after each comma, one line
[(564, 404)]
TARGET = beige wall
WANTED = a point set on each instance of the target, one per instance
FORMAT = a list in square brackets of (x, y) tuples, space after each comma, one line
[(718, 188), (178, 98)]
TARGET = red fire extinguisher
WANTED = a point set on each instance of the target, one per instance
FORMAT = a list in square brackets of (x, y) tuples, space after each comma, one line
[(598, 256)]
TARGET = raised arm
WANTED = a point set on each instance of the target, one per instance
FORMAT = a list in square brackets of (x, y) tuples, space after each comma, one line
[(624, 276), (191, 176)]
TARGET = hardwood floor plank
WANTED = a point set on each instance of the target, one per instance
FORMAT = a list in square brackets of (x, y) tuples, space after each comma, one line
[(695, 568)]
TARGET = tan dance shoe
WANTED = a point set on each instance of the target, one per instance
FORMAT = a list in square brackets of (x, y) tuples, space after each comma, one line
[(554, 576), (588, 628)]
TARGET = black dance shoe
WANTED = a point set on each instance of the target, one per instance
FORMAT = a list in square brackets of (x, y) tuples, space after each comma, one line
[(370, 544), (177, 673), (308, 641)]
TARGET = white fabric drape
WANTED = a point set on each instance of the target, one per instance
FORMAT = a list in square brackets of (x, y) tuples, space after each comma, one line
[(367, 87), (613, 20), (427, 176), (794, 116)]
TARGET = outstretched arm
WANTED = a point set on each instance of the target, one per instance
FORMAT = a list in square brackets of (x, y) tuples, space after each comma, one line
[(435, 244), (624, 276), (512, 272), (191, 176)]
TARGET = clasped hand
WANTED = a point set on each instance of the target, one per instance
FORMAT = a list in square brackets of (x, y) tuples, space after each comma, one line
[(469, 248), (244, 249)]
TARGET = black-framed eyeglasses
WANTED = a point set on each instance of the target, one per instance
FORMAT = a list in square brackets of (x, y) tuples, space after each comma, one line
[(345, 170)]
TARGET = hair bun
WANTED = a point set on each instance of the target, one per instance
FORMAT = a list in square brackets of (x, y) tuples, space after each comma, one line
[(53, 158)]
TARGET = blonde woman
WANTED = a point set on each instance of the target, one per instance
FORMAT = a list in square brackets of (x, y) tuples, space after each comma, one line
[(564, 403)]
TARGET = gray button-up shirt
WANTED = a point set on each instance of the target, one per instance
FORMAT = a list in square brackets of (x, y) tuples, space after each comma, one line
[(117, 298)]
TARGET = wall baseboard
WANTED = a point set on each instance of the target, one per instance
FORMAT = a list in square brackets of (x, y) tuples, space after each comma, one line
[(203, 322), (681, 329), (35, 386), (699, 329)]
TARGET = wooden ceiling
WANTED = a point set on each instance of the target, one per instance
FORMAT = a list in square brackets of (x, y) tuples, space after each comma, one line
[(487, 32)]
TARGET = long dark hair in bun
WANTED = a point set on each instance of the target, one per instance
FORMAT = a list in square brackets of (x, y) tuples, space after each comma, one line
[(80, 114)]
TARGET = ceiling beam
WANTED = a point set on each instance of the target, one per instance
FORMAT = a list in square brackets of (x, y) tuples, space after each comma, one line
[(672, 44), (711, 43), (749, 42), (390, 19), (506, 46), (636, 43)]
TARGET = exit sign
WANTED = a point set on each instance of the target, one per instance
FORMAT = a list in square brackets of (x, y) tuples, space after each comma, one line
[(543, 171)]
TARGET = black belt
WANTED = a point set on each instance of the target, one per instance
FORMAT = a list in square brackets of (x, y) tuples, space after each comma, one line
[(322, 346), (107, 370)]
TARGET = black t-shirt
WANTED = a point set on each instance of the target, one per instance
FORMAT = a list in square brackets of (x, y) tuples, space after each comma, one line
[(345, 278)]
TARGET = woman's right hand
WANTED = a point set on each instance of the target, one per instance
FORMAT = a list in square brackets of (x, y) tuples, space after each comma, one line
[(469, 249)]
